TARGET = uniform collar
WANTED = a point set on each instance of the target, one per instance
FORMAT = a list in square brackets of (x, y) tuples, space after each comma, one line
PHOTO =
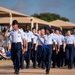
[(27, 31)]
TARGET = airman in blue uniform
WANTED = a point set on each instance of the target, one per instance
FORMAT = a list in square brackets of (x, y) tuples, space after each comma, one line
[(30, 44), (24, 53), (34, 44), (61, 52), (49, 48), (16, 45), (69, 45), (39, 45), (74, 48), (56, 48)]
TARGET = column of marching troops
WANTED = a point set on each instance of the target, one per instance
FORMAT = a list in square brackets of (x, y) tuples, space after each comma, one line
[(44, 48)]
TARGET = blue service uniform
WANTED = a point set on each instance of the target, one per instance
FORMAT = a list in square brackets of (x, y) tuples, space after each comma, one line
[(74, 50), (49, 43), (69, 40), (34, 51), (16, 47), (41, 52), (56, 38), (29, 39), (60, 55), (23, 56)]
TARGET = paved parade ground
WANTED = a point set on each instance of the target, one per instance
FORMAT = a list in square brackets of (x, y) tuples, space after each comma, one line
[(6, 68)]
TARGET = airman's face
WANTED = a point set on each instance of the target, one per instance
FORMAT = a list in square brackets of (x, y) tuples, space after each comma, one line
[(15, 26), (34, 31), (74, 30), (28, 27), (39, 32), (69, 32), (42, 31), (60, 32), (57, 31), (47, 31), (0, 37)]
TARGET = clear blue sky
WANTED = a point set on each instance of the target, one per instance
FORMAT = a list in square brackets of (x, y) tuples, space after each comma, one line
[(65, 8)]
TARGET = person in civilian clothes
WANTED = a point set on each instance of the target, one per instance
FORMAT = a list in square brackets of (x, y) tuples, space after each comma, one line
[(30, 44), (69, 48), (16, 45)]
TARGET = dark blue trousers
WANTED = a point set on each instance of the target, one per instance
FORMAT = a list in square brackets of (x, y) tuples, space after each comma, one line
[(69, 55), (34, 56), (29, 54), (48, 57), (16, 50), (40, 55), (60, 57), (74, 56), (23, 57), (54, 58)]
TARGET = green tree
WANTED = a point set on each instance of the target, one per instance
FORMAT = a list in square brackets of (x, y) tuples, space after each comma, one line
[(49, 17)]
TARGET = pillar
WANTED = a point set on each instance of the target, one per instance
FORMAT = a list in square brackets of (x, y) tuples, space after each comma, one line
[(36, 27), (60, 28), (32, 23), (10, 21)]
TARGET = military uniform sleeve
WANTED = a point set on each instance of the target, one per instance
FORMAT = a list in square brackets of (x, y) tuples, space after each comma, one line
[(25, 36), (53, 40), (32, 36), (63, 39), (22, 34), (9, 33)]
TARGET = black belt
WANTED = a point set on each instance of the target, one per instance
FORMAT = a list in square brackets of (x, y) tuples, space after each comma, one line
[(40, 45), (61, 45), (16, 42), (49, 44), (69, 44)]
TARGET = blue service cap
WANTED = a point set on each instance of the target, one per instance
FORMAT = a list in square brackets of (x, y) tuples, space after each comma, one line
[(14, 22), (20, 27), (68, 29), (60, 30), (73, 27), (27, 25), (33, 28), (57, 29), (46, 27)]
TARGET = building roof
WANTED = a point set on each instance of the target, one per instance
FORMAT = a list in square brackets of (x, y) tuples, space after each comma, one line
[(62, 24), (6, 20), (4, 12)]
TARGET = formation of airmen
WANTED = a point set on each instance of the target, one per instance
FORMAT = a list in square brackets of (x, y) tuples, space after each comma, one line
[(44, 48)]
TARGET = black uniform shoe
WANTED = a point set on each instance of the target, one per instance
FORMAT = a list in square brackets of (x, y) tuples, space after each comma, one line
[(34, 66), (16, 72), (74, 65), (27, 67), (58, 66), (69, 67), (22, 67), (39, 65), (53, 66), (47, 72), (43, 67)]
